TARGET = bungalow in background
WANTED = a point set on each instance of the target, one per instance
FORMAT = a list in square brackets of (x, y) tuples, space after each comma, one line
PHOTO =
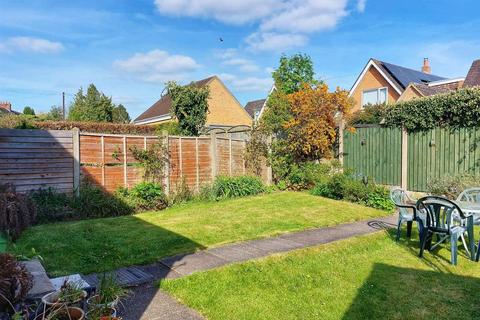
[(224, 110), (6, 108), (382, 82), (254, 108)]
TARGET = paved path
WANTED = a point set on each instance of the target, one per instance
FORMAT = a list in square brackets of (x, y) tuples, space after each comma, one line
[(148, 302)]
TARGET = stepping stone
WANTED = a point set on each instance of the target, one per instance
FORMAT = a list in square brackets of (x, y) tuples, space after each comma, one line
[(189, 263), (41, 283), (126, 277), (76, 278)]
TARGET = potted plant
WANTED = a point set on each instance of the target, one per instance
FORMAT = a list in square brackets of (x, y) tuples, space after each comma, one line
[(102, 313), (109, 292), (71, 293), (65, 313)]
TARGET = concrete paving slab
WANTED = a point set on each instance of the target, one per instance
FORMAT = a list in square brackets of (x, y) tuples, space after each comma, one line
[(274, 245), (41, 283), (189, 263), (147, 302), (238, 252)]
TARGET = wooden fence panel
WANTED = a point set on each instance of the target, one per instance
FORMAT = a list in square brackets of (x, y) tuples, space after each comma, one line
[(374, 152), (441, 152), (34, 159)]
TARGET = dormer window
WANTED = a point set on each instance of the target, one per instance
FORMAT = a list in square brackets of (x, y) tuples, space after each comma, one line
[(374, 96)]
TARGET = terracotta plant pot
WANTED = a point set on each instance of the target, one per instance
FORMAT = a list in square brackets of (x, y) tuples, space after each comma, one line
[(74, 313), (91, 302)]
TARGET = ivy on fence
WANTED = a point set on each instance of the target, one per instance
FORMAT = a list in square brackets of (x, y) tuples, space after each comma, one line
[(457, 109)]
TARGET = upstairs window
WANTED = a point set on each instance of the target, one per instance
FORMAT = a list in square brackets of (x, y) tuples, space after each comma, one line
[(375, 96)]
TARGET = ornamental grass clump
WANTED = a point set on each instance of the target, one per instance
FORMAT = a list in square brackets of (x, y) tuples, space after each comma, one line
[(232, 187)]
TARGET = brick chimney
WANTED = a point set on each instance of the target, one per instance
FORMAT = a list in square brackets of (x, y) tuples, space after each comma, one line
[(426, 66), (6, 105)]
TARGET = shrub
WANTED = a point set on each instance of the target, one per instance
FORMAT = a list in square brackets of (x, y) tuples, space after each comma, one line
[(451, 186), (231, 187), (96, 127), (92, 202), (308, 174), (17, 212), (12, 121), (15, 282), (181, 194), (370, 114), (344, 186), (456, 109), (144, 196)]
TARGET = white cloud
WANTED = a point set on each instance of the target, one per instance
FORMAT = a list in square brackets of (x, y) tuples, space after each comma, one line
[(361, 5), (157, 65), (269, 41), (281, 23), (306, 16), (247, 83), (232, 12), (29, 44), (231, 58)]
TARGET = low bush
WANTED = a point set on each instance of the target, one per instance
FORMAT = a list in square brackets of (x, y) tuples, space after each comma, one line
[(452, 186), (144, 196), (232, 187), (17, 212), (345, 186), (15, 283), (308, 174), (181, 194), (370, 114), (92, 202)]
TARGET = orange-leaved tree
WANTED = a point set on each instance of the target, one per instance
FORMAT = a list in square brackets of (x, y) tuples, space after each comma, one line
[(311, 130)]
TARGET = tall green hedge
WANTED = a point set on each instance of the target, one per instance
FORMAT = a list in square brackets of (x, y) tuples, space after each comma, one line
[(456, 109)]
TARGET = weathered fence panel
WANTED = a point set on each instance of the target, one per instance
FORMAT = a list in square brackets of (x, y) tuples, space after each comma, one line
[(34, 159), (377, 152), (374, 152), (441, 152)]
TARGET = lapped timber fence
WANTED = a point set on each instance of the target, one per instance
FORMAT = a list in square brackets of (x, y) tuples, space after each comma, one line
[(392, 156), (34, 159)]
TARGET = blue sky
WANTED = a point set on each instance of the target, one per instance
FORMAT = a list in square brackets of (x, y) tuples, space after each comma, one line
[(129, 49)]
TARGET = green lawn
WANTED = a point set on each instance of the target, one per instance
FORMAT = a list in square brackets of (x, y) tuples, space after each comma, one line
[(369, 277), (105, 244)]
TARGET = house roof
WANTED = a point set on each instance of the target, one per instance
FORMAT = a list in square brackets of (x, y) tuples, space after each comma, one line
[(255, 106), (404, 76), (162, 106), (473, 76)]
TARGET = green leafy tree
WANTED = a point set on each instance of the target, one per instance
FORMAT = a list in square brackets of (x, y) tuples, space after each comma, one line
[(28, 111), (120, 114), (94, 106), (293, 72), (189, 107), (55, 113)]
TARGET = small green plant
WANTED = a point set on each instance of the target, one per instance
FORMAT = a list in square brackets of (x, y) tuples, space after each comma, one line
[(451, 186), (71, 292), (345, 186), (153, 160), (144, 196), (182, 193), (231, 187), (109, 291)]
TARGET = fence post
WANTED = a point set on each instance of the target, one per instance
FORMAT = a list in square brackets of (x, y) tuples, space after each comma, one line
[(125, 182), (269, 168), (404, 179), (230, 155), (341, 129), (76, 160), (166, 142), (197, 169), (102, 141), (213, 154), (180, 156)]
